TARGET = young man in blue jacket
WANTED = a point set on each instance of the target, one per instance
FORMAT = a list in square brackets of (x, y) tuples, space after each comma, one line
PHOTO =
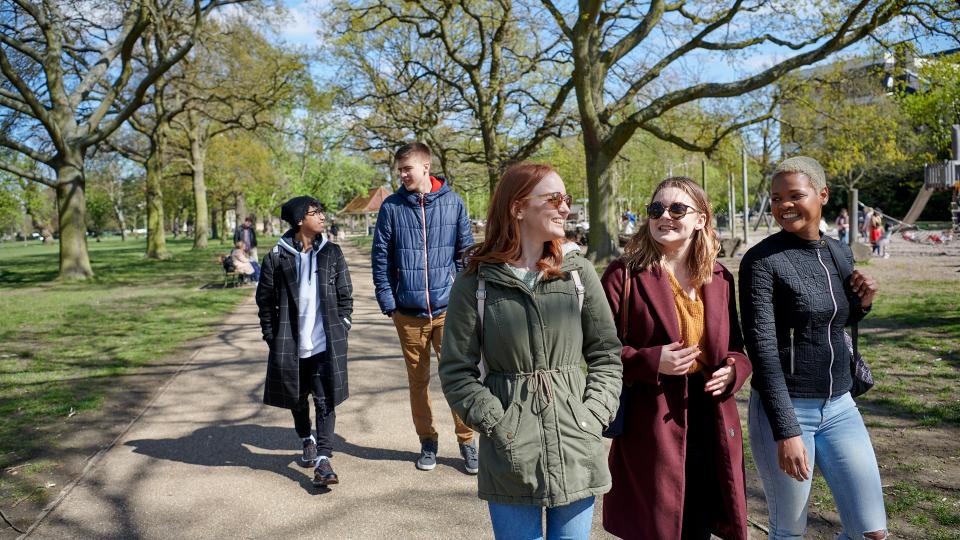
[(422, 231)]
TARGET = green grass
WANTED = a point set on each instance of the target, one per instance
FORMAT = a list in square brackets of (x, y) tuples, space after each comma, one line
[(362, 242), (66, 344), (912, 343)]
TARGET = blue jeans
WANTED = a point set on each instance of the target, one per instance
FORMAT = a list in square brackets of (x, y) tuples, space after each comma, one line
[(525, 522), (838, 442)]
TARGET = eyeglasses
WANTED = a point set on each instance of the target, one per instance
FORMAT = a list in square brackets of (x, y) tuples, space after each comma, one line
[(318, 213), (554, 198), (676, 210)]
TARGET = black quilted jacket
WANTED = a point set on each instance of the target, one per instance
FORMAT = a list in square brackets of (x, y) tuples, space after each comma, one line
[(793, 308)]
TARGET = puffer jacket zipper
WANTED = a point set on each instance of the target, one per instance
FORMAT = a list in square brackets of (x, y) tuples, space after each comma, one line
[(830, 324), (426, 259)]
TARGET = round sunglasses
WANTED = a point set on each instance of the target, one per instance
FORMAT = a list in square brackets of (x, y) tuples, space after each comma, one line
[(676, 210), (554, 198)]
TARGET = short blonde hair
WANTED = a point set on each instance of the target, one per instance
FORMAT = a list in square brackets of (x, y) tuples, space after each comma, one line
[(806, 166)]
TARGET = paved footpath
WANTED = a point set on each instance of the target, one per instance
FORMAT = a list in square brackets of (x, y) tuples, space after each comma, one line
[(208, 460)]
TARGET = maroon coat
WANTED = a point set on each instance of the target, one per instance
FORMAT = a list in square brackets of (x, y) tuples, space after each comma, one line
[(647, 461)]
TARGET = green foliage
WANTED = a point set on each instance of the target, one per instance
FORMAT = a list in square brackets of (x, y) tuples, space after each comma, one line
[(840, 116), (936, 105)]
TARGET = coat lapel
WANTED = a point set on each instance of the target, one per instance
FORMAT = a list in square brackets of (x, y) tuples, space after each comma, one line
[(657, 287), (714, 305)]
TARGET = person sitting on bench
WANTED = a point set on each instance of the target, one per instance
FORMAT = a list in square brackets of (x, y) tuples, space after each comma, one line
[(242, 263)]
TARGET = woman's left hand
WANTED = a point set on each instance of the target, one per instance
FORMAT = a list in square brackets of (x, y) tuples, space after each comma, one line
[(865, 287), (721, 378)]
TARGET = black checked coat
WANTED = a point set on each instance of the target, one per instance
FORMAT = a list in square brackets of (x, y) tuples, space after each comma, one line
[(277, 296)]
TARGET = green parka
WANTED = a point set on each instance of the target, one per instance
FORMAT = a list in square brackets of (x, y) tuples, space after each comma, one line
[(539, 417)]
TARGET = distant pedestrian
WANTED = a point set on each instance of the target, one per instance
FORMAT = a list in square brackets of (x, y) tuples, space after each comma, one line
[(305, 301), (549, 346), (876, 231), (247, 234), (843, 226), (422, 231), (795, 304)]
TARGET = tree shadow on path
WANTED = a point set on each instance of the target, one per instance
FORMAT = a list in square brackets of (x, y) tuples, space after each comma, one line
[(256, 447)]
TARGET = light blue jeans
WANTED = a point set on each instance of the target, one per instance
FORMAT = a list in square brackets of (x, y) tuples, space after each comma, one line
[(525, 522), (838, 442)]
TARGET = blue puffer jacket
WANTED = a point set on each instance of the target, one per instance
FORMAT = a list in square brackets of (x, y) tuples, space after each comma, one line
[(414, 265)]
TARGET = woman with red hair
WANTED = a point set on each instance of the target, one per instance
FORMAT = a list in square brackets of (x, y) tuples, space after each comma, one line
[(528, 311)]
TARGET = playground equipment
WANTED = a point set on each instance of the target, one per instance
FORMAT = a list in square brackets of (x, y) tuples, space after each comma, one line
[(940, 177)]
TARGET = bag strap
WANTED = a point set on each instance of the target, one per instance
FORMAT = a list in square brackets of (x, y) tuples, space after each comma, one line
[(481, 300), (575, 274), (845, 272), (481, 304), (625, 302)]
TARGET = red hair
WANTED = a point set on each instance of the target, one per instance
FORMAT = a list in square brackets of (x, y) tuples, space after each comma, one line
[(502, 238)]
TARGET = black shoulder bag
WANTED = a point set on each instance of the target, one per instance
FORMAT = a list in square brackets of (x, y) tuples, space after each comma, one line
[(859, 371)]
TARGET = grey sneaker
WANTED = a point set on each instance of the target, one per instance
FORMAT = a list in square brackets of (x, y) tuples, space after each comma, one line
[(428, 455), (309, 457), (471, 461)]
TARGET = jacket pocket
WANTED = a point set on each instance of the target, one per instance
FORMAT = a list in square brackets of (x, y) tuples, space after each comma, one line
[(504, 432), (586, 421)]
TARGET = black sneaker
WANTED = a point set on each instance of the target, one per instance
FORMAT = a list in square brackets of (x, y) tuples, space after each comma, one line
[(428, 455), (309, 457), (323, 475), (471, 461)]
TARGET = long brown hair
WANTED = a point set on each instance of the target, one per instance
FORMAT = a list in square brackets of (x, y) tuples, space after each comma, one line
[(502, 238), (643, 252)]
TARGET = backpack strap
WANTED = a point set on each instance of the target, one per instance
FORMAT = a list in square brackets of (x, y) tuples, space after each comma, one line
[(481, 300), (575, 274)]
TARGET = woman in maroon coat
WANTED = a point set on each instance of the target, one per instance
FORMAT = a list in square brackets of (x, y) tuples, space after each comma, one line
[(678, 466)]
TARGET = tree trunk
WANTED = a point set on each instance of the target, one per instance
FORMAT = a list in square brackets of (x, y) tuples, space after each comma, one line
[(201, 213), (156, 239), (241, 209), (214, 223), (223, 222), (74, 258), (600, 184)]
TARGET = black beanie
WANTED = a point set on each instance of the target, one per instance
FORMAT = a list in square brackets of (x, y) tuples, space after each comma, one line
[(296, 208)]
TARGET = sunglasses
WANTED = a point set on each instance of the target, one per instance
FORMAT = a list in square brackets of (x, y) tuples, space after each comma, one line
[(676, 210), (554, 198)]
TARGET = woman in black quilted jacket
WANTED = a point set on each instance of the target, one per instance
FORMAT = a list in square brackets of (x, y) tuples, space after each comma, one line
[(794, 305)]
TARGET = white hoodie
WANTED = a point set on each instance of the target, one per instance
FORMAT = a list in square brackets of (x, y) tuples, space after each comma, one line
[(313, 340)]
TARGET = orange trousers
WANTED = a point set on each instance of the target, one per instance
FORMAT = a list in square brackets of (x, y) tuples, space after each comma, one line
[(417, 334)]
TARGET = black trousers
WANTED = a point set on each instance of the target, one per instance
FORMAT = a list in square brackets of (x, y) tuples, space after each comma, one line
[(316, 378), (700, 499)]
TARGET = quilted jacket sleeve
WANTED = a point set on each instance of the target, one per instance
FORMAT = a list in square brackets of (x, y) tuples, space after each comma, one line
[(464, 237), (757, 308), (380, 259)]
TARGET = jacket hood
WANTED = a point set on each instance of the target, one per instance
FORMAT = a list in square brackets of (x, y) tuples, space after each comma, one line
[(289, 244), (412, 197), (572, 260)]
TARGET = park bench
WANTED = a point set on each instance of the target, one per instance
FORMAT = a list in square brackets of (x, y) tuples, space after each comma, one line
[(231, 276)]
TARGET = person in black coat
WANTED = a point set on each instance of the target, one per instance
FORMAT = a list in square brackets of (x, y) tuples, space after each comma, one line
[(305, 301)]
